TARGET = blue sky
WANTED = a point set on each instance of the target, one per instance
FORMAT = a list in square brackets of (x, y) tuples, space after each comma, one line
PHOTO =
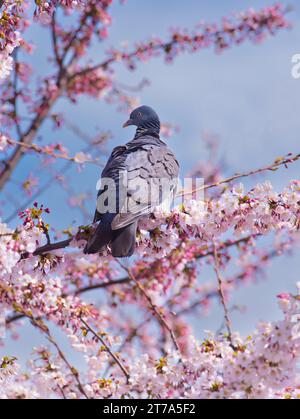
[(245, 95)]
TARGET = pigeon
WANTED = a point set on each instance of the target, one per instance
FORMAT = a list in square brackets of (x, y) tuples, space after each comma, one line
[(139, 177)]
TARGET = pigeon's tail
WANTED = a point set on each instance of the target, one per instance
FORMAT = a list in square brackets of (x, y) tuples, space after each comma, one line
[(121, 241), (98, 241)]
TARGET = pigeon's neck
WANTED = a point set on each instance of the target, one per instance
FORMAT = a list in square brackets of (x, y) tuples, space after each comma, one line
[(150, 128)]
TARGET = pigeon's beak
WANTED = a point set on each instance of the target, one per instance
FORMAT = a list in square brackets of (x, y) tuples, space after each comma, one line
[(127, 123)]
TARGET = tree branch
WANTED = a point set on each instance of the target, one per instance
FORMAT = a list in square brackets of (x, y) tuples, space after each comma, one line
[(79, 291), (48, 248), (54, 41), (115, 357), (282, 161), (222, 296), (28, 137), (153, 307), (45, 107), (44, 329), (44, 150)]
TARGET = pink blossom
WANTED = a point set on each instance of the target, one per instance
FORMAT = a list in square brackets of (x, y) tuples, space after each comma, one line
[(3, 142), (130, 324)]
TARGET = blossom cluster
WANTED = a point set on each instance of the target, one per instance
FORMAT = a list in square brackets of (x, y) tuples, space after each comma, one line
[(10, 39), (264, 365), (3, 142), (134, 334), (45, 8), (49, 286), (257, 212)]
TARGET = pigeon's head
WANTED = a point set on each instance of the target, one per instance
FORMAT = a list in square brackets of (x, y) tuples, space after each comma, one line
[(144, 117)]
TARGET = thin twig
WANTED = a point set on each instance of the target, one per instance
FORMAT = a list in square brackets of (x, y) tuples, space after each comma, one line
[(129, 338), (44, 329), (44, 150), (222, 296), (16, 94), (115, 357), (54, 40), (62, 392), (274, 166), (102, 285), (153, 307), (48, 184)]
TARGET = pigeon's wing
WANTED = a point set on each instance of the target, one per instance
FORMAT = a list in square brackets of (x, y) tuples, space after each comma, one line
[(114, 165), (152, 176)]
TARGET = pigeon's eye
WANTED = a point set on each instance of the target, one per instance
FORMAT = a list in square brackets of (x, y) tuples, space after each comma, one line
[(139, 114)]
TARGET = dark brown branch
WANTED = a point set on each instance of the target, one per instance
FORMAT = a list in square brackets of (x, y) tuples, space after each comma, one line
[(48, 248), (65, 243), (102, 285)]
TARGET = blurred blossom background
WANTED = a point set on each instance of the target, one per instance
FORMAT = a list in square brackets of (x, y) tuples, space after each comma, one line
[(244, 98)]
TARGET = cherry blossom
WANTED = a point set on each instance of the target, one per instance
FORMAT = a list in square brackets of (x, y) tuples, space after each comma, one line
[(3, 142), (131, 324)]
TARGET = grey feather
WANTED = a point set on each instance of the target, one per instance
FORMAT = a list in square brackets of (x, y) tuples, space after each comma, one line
[(145, 160)]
